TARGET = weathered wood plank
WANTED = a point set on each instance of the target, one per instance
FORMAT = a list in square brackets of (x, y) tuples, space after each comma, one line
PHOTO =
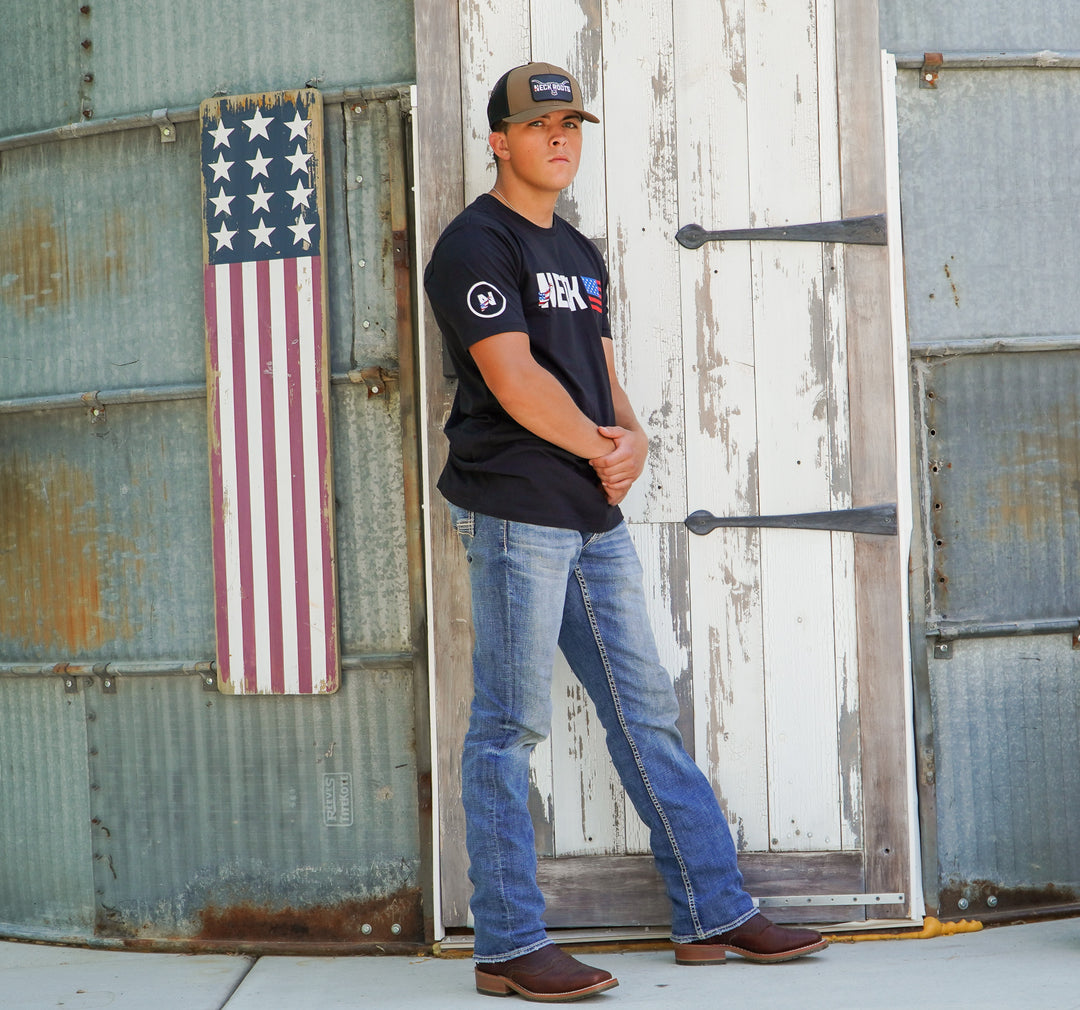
[(439, 143), (630, 891), (720, 418), (588, 798), (790, 122), (663, 551), (569, 34), (879, 567), (495, 36), (794, 441), (642, 220)]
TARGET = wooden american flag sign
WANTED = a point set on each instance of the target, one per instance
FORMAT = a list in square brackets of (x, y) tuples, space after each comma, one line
[(268, 391)]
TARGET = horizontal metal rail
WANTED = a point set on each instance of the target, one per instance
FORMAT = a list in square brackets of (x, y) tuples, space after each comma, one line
[(182, 668), (948, 631), (994, 345), (796, 900), (993, 59), (98, 398), (104, 398), (185, 114)]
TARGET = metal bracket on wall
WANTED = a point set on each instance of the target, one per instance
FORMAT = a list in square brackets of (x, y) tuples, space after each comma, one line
[(794, 900), (164, 124), (868, 230), (874, 519), (931, 70), (947, 633)]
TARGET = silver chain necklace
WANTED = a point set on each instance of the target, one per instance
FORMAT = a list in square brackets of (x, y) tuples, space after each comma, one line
[(495, 192)]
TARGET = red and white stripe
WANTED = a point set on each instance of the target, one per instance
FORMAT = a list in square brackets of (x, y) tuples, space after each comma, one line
[(273, 550)]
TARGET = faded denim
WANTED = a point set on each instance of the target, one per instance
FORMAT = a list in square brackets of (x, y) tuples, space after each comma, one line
[(535, 588)]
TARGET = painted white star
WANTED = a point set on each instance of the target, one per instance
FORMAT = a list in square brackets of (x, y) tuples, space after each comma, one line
[(224, 237), (261, 233), (221, 202), (260, 199), (221, 134), (257, 125), (302, 230), (298, 127), (258, 164), (221, 167), (298, 161), (300, 195)]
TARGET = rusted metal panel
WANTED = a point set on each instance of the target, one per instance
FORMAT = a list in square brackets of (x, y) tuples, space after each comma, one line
[(64, 63), (209, 812), (927, 25), (285, 824), (46, 876), (1000, 462), (985, 174), (1007, 775), (98, 260), (104, 536), (370, 522), (987, 180)]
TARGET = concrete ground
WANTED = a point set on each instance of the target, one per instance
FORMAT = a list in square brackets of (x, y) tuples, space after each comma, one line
[(1018, 967)]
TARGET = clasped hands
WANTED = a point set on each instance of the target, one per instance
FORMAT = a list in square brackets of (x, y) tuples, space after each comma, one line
[(619, 468)]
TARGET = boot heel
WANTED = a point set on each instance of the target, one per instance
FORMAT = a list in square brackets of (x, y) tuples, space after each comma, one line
[(491, 985), (693, 953)]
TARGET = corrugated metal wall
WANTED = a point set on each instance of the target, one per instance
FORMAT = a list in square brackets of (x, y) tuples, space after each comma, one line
[(134, 801), (989, 171)]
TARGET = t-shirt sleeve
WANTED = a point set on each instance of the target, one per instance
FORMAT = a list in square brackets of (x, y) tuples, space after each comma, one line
[(474, 283)]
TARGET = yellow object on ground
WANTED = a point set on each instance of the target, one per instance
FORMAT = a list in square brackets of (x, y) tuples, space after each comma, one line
[(931, 927)]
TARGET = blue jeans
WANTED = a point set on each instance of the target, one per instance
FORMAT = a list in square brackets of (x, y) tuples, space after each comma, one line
[(535, 588)]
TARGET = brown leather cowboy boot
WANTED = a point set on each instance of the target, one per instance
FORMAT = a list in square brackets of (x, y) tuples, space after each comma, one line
[(757, 939), (547, 975)]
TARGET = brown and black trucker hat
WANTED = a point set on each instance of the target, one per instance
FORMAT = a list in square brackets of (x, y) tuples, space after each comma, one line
[(531, 90)]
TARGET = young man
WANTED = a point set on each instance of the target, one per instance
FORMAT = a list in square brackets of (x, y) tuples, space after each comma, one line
[(543, 446)]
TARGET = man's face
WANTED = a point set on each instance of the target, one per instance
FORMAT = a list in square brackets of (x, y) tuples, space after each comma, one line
[(544, 152)]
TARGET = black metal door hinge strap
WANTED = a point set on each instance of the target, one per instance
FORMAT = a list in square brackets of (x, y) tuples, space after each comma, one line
[(869, 230), (875, 519)]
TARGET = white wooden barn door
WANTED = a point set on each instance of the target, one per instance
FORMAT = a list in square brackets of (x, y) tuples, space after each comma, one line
[(738, 358)]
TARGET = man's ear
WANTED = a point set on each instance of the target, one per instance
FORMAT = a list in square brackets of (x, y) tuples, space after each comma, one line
[(497, 140)]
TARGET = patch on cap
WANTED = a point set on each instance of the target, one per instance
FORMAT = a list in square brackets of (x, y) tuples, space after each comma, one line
[(551, 88)]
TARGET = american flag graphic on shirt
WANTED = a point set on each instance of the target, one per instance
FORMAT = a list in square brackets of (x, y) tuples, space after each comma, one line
[(268, 394), (592, 291)]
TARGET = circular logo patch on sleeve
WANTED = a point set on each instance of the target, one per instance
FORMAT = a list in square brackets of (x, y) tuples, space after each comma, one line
[(486, 300)]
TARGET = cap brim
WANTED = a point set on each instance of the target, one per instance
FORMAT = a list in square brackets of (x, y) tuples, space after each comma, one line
[(541, 109)]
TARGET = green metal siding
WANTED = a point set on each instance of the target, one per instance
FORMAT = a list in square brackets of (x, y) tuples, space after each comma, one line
[(137, 804), (145, 56)]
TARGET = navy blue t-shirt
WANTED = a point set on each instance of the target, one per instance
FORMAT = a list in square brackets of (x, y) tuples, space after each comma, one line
[(493, 271)]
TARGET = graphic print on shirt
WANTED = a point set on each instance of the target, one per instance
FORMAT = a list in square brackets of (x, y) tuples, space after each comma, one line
[(560, 291), (485, 300)]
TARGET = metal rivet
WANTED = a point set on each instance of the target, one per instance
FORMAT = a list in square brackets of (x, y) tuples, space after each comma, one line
[(374, 390), (395, 929), (992, 901), (367, 325), (362, 264), (962, 903), (88, 77), (359, 178), (365, 928)]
